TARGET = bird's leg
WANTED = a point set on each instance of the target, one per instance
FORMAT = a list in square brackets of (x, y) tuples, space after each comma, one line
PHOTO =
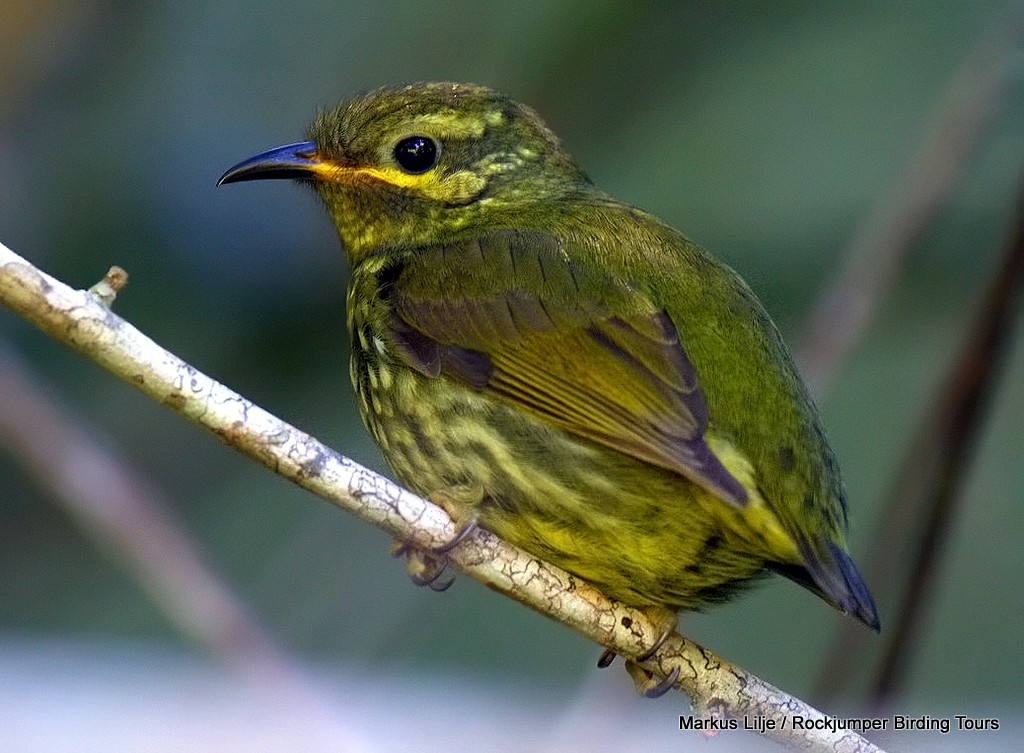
[(642, 678), (426, 565), (668, 621), (660, 615), (423, 569), (647, 684)]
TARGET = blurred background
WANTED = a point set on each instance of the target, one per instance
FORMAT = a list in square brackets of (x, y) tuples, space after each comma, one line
[(776, 135)]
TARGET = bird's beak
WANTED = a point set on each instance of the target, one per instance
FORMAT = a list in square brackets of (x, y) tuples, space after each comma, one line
[(297, 161)]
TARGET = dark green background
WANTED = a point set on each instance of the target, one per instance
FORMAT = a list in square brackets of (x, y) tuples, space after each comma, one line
[(768, 132)]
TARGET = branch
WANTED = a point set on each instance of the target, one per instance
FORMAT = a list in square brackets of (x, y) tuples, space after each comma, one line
[(125, 514), (940, 458), (879, 249), (923, 502), (128, 518), (718, 688)]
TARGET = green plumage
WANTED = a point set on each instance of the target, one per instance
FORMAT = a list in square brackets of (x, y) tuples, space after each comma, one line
[(564, 368)]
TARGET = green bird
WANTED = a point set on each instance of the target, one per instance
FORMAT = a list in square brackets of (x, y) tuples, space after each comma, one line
[(562, 368)]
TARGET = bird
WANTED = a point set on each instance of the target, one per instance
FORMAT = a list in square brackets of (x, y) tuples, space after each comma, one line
[(562, 368)]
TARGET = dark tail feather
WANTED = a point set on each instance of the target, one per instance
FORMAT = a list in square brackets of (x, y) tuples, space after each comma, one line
[(830, 573)]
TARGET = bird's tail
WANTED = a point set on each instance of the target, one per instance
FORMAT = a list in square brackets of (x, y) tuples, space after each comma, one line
[(830, 572)]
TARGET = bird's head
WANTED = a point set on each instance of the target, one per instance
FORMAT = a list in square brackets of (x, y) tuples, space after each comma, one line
[(415, 164)]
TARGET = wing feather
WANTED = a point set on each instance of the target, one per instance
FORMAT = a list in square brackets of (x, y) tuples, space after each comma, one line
[(508, 314)]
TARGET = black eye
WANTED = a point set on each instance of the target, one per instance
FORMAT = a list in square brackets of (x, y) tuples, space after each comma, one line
[(416, 154)]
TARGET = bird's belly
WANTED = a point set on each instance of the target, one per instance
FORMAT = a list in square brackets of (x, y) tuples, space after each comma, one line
[(640, 533)]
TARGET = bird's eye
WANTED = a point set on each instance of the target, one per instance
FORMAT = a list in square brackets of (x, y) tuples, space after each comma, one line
[(416, 154)]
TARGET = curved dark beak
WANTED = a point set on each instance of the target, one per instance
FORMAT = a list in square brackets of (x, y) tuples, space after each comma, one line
[(297, 161)]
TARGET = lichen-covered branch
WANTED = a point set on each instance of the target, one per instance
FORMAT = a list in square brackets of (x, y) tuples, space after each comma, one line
[(82, 320)]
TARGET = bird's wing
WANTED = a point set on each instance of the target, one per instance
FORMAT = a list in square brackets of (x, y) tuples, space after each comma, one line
[(509, 314)]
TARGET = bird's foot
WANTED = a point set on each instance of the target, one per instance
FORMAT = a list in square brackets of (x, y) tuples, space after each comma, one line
[(423, 567), (645, 681), (426, 565)]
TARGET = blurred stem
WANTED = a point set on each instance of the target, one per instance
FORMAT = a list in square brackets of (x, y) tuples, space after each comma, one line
[(127, 518), (879, 250), (922, 507), (937, 463), (717, 687)]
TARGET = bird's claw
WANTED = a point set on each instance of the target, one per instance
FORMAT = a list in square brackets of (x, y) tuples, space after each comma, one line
[(609, 654), (425, 566), (426, 571), (460, 535), (655, 646), (665, 685), (643, 678), (647, 684)]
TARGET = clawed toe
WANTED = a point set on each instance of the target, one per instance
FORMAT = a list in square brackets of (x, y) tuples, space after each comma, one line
[(425, 566), (642, 677), (609, 654), (647, 684), (428, 572), (657, 691), (460, 535), (654, 648)]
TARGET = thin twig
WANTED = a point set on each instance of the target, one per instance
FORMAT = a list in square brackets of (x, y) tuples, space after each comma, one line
[(880, 248), (717, 687), (128, 519), (923, 504), (946, 448), (125, 514), (873, 261)]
